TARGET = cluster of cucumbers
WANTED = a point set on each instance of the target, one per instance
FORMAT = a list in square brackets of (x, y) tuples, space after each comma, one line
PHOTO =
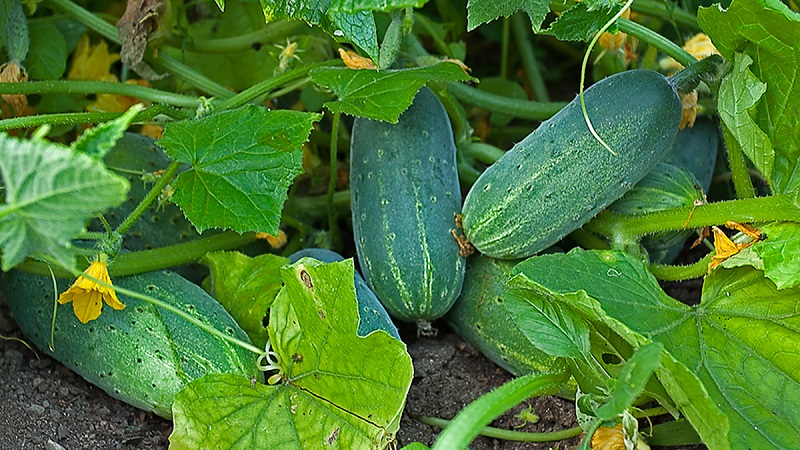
[(412, 248), (406, 200)]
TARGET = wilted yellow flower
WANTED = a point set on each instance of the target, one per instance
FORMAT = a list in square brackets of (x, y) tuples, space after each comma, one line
[(92, 62), (688, 109), (12, 72), (273, 241), (87, 295), (355, 61), (699, 46), (606, 438), (151, 130), (614, 41), (116, 103)]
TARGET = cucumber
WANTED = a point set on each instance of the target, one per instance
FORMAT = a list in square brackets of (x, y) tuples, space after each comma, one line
[(695, 149), (665, 187), (560, 176), (141, 355), (405, 196), (479, 316), (372, 315)]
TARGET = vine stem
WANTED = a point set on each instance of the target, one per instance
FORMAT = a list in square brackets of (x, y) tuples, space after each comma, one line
[(158, 258), (165, 179), (658, 41), (522, 109), (585, 63), (509, 435), (522, 30), (333, 174), (627, 228), (99, 87), (178, 312), (668, 272), (75, 119)]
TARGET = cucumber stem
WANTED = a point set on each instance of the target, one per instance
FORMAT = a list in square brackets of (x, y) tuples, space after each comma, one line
[(333, 175), (158, 258), (100, 87), (656, 40), (623, 227), (668, 272), (522, 36), (740, 175), (75, 119), (162, 182), (522, 109), (506, 33)]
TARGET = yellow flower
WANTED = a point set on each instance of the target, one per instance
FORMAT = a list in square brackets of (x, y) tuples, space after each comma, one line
[(699, 46), (273, 241), (117, 103), (92, 62), (87, 295), (688, 109), (606, 438), (355, 61)]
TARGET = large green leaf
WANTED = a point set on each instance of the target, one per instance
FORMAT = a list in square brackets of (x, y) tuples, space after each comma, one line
[(243, 161), (742, 341), (381, 95), (246, 287), (337, 389), (51, 192), (766, 31)]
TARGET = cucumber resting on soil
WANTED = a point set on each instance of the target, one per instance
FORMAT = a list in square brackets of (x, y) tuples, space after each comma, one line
[(141, 355)]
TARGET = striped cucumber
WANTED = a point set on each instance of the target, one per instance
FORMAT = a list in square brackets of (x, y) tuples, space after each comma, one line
[(481, 318), (560, 176), (141, 355), (405, 196)]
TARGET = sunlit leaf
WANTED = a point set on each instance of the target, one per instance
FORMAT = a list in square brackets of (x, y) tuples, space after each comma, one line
[(766, 31), (485, 11), (579, 23), (243, 161), (777, 252), (351, 6), (742, 341), (99, 140), (337, 390), (381, 95), (246, 287), (51, 192)]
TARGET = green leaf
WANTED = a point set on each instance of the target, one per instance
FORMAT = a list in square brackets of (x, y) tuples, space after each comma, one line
[(246, 287), (243, 161), (337, 389), (631, 381), (485, 11), (351, 6), (99, 140), (778, 252), (47, 57), (51, 192), (380, 95), (579, 23), (357, 27), (551, 326), (739, 92), (742, 341), (766, 31)]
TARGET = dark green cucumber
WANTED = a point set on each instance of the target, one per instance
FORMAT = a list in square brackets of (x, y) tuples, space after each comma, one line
[(695, 149), (372, 315), (560, 176), (665, 187), (141, 355), (405, 196), (480, 317)]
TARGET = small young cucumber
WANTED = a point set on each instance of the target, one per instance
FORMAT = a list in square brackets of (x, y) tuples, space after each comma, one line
[(480, 317), (141, 355), (560, 176), (372, 315), (664, 187), (405, 196)]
